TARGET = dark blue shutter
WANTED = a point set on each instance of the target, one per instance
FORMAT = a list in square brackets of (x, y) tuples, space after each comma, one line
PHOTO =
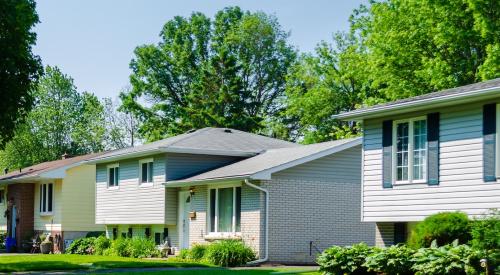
[(489, 130), (433, 148), (387, 154)]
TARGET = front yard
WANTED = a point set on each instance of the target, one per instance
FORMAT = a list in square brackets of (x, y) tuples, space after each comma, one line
[(28, 262)]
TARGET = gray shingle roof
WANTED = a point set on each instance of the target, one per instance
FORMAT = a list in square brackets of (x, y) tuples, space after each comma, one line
[(36, 170), (458, 91), (271, 159), (207, 140)]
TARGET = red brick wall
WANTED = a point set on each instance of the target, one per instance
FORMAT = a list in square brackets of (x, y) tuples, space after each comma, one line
[(23, 195)]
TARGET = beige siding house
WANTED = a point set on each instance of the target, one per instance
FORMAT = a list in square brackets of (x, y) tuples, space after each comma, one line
[(433, 153), (54, 198)]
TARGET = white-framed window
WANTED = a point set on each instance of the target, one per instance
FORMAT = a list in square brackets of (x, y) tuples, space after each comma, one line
[(224, 209), (146, 171), (46, 198), (113, 175), (410, 150), (2, 196)]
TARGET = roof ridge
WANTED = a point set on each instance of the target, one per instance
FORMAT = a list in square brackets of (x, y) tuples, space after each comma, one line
[(188, 136)]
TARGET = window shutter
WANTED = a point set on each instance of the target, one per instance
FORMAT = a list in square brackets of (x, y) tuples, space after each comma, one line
[(387, 154), (489, 131), (433, 148)]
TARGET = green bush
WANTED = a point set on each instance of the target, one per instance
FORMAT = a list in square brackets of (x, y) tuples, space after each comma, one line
[(83, 246), (449, 259), (396, 259), (118, 248), (101, 243), (345, 260), (229, 253), (3, 236), (443, 227), (486, 237), (197, 252), (142, 248), (184, 253)]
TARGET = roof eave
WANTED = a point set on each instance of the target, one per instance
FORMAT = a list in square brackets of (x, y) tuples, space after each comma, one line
[(187, 183), (418, 105)]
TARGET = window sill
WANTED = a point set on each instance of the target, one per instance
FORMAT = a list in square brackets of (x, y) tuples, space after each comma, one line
[(223, 236), (145, 184), (113, 187), (402, 183), (46, 214)]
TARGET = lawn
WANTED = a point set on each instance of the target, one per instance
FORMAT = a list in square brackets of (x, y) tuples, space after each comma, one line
[(10, 263)]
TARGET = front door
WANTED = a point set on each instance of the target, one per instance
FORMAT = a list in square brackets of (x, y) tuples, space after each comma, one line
[(184, 208)]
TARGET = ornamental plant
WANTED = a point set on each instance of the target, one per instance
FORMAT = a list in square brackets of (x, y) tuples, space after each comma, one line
[(444, 228), (396, 260), (346, 260)]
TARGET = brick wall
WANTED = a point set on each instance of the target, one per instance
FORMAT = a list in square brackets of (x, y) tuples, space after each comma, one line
[(324, 212), (23, 195)]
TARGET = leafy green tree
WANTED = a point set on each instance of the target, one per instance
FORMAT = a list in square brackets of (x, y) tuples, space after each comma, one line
[(61, 121), (121, 127), (225, 72), (19, 67)]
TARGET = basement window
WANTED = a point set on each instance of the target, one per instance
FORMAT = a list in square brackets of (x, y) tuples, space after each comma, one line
[(46, 198)]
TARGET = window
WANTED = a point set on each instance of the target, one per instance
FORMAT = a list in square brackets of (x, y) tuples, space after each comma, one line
[(146, 171), (46, 198), (113, 175), (115, 233), (2, 196), (410, 150), (147, 232), (225, 209)]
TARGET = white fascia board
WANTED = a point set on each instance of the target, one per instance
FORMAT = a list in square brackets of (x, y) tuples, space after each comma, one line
[(208, 152), (418, 105), (187, 183), (266, 174), (124, 156)]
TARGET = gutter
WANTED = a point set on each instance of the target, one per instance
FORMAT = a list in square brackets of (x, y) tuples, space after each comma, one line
[(266, 192)]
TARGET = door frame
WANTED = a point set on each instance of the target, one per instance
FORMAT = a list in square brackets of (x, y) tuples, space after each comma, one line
[(183, 195)]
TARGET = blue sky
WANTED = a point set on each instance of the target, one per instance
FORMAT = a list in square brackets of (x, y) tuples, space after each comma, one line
[(93, 40)]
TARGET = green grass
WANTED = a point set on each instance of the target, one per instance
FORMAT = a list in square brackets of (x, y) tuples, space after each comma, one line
[(221, 271), (9, 263)]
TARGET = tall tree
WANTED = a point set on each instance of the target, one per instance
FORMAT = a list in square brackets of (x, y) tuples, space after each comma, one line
[(62, 121), (121, 128), (19, 67), (226, 72)]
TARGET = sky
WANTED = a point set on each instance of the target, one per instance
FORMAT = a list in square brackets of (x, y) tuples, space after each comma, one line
[(93, 40)]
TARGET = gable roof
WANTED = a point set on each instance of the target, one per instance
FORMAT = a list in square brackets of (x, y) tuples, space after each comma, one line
[(49, 169), (261, 167), (464, 94), (207, 141)]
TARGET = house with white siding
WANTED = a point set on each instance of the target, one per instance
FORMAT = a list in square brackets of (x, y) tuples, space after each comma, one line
[(432, 153), (285, 200)]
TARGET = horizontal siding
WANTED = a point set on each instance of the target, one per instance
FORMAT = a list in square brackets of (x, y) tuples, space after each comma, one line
[(342, 167), (131, 203), (461, 186), (180, 166)]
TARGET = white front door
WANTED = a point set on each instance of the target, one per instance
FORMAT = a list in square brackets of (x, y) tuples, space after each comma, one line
[(184, 208)]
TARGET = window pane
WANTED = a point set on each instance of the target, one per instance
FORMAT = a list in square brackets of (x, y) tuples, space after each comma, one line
[(402, 151), (212, 210), (150, 172), (44, 196), (41, 198), (225, 205), (111, 181), (419, 149), (238, 209), (117, 175), (144, 172), (50, 192)]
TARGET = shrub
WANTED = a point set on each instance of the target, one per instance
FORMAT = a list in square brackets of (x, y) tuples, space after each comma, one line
[(229, 253), (197, 252), (118, 248), (101, 243), (345, 260), (442, 227), (83, 246), (486, 237), (142, 248), (184, 253), (449, 259), (396, 259), (3, 236)]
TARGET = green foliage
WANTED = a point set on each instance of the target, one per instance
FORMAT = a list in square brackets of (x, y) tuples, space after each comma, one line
[(395, 260), (101, 243), (184, 253), (19, 67), (198, 252), (486, 237), (95, 234), (142, 248), (83, 246), (2, 240), (223, 72), (345, 260), (443, 227), (229, 253), (119, 247), (449, 259)]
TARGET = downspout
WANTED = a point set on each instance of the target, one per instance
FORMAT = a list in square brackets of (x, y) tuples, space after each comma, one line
[(266, 249)]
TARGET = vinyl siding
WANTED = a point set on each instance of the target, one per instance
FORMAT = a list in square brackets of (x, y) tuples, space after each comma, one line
[(461, 186), (78, 200), (131, 203), (180, 166), (52, 222)]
